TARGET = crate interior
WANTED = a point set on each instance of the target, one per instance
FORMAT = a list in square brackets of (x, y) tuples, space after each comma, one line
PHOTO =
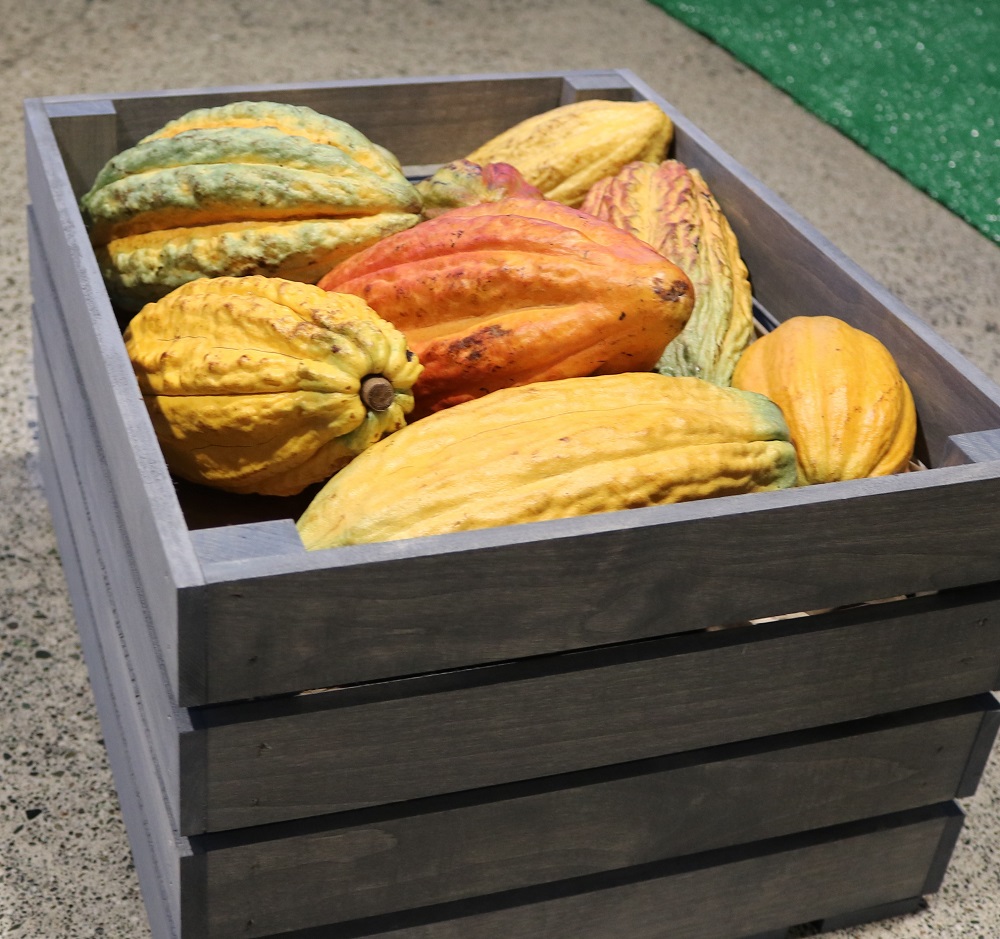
[(429, 122)]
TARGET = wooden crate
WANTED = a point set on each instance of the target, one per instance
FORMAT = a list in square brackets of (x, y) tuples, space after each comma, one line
[(533, 730)]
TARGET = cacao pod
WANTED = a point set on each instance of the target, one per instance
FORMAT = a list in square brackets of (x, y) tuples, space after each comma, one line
[(462, 183), (517, 291), (552, 450), (567, 149), (262, 385), (849, 410), (670, 207), (245, 188)]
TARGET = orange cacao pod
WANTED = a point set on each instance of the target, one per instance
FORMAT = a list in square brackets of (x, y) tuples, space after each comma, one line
[(506, 293)]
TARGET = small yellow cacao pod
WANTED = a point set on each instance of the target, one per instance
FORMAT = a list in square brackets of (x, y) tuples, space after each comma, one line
[(849, 410)]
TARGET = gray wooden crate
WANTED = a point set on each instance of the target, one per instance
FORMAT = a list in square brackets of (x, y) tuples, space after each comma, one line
[(529, 730)]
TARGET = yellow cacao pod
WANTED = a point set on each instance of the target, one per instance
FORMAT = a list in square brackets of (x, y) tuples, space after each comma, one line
[(262, 385), (555, 449), (565, 150), (670, 207), (246, 188), (849, 410)]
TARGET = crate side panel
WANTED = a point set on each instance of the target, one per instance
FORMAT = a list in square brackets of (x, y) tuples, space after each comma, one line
[(455, 600), (980, 753), (69, 294), (156, 849), (113, 554), (87, 135), (717, 895), (100, 557), (588, 823), (345, 749), (421, 121), (796, 271), (65, 272)]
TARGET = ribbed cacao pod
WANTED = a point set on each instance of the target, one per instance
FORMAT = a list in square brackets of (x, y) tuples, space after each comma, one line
[(567, 149), (849, 410), (552, 450), (245, 188), (462, 183), (670, 207), (262, 385), (518, 291)]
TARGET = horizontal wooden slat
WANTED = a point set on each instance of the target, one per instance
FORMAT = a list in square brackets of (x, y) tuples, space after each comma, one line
[(373, 611), (338, 750), (585, 823), (731, 894)]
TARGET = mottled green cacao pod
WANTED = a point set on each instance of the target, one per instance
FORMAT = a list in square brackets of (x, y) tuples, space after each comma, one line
[(670, 207), (246, 188)]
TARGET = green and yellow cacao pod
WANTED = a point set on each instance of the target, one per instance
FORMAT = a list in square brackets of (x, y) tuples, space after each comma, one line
[(567, 149), (512, 292), (849, 410), (262, 385), (670, 207), (245, 188), (552, 450)]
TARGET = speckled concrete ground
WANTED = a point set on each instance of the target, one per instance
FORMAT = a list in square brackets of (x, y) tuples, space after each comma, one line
[(65, 869)]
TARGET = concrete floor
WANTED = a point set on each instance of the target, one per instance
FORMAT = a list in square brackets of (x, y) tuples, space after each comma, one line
[(65, 869)]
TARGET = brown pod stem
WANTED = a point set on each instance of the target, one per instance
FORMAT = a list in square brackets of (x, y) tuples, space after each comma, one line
[(377, 392)]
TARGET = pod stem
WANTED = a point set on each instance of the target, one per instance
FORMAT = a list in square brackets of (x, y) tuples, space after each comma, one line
[(377, 392)]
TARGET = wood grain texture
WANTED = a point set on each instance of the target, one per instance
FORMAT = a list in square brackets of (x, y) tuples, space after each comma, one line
[(373, 611), (978, 447), (583, 824), (87, 135), (979, 754), (254, 539), (372, 744), (730, 894)]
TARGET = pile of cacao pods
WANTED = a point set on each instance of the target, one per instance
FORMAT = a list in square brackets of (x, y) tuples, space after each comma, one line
[(557, 324)]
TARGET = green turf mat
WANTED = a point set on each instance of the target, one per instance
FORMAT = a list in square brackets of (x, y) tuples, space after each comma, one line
[(914, 82)]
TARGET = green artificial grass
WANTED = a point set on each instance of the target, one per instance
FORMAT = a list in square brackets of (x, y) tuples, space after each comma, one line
[(914, 82)]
